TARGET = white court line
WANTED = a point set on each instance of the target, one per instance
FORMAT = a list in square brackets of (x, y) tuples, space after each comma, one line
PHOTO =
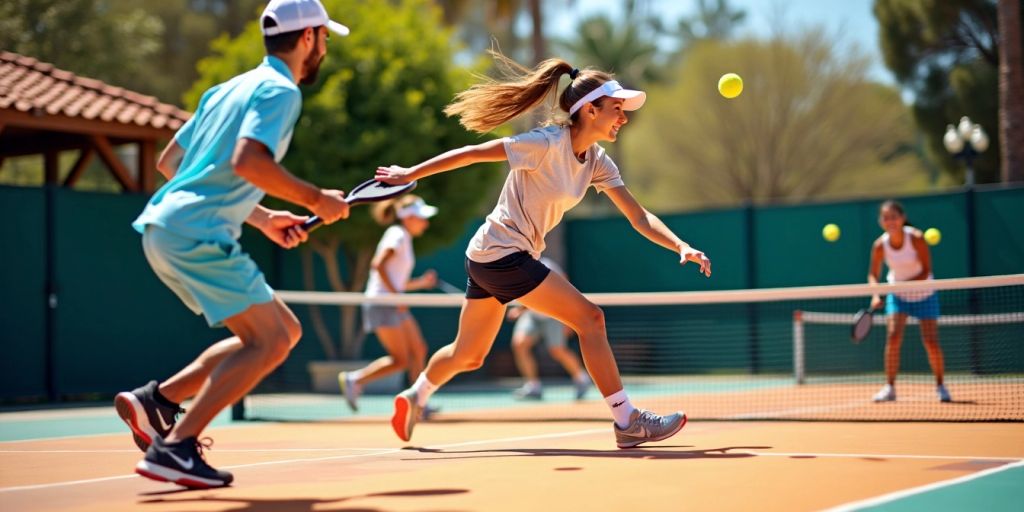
[(893, 496), (385, 451), (388, 451)]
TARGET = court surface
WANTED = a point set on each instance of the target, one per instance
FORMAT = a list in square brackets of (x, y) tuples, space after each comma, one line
[(460, 463)]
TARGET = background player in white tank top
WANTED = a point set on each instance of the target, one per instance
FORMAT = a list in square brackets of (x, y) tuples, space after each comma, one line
[(906, 254)]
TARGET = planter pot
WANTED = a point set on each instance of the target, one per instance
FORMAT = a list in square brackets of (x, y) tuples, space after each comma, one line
[(324, 377)]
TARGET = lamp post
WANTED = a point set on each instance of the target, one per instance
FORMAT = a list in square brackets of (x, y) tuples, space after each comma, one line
[(966, 141)]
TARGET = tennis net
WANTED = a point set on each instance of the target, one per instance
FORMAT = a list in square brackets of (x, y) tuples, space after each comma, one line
[(759, 354)]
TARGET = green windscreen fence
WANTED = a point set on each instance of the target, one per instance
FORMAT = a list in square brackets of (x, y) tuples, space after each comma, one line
[(115, 324), (22, 293)]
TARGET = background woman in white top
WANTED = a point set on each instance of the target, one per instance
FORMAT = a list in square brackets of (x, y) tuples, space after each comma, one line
[(905, 252), (390, 272), (551, 170)]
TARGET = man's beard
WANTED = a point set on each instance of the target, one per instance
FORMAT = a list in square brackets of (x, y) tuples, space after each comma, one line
[(311, 67)]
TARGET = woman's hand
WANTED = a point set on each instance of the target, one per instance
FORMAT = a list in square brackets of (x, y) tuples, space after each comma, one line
[(429, 280), (394, 175), (698, 257)]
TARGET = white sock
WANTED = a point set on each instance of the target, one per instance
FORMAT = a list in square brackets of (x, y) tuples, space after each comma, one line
[(424, 388), (581, 378), (355, 375), (532, 384), (621, 407)]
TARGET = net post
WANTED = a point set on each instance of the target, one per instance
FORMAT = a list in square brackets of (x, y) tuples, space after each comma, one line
[(238, 410), (798, 346)]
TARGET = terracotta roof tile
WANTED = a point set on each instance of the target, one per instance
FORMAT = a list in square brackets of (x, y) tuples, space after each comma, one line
[(27, 84)]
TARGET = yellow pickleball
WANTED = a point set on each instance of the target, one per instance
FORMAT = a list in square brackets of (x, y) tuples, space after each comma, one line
[(932, 236), (830, 232), (730, 85)]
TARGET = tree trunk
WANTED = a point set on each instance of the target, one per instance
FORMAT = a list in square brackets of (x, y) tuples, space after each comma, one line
[(349, 330), (323, 335), (539, 43), (352, 330), (1011, 91)]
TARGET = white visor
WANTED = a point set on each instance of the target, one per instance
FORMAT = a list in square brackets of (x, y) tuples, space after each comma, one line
[(632, 99), (418, 208)]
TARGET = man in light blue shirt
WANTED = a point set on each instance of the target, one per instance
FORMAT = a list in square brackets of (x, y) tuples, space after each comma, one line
[(219, 166)]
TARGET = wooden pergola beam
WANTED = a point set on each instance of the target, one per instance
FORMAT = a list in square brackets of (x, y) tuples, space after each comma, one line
[(51, 170), (147, 165), (23, 145), (117, 168), (79, 168), (61, 123)]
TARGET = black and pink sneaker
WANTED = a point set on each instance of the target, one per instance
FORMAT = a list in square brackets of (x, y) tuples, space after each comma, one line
[(181, 463)]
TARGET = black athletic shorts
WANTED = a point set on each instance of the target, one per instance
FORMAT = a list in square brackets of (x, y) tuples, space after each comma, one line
[(505, 279)]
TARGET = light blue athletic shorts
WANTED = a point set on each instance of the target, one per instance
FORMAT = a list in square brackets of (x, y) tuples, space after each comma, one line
[(927, 309), (215, 279), (546, 328)]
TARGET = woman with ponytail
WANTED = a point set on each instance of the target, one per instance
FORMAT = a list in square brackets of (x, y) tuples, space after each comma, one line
[(550, 171), (390, 272)]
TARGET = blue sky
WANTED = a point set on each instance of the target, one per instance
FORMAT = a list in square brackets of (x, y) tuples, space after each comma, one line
[(851, 19)]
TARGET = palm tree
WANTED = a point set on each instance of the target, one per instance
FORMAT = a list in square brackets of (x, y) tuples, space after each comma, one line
[(619, 48), (1011, 78)]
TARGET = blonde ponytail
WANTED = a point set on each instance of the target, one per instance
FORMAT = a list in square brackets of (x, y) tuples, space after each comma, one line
[(486, 106)]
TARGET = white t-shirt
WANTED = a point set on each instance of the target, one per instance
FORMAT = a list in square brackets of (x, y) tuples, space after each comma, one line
[(545, 181), (398, 267)]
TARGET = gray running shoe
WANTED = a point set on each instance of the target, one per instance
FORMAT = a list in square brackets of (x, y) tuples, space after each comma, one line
[(645, 426), (407, 412), (528, 392), (582, 386), (428, 411), (350, 389)]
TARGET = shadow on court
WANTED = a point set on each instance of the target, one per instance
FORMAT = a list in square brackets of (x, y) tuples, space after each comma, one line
[(288, 504), (648, 453)]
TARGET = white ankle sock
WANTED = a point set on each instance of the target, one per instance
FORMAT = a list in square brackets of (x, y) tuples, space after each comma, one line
[(621, 407), (354, 376), (424, 388)]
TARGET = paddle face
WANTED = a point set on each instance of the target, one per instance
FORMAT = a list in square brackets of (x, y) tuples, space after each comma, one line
[(862, 322), (369, 191), (372, 190)]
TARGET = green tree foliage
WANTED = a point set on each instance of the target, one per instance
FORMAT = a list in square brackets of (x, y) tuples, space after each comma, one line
[(149, 46), (378, 101), (711, 21), (111, 40), (188, 28), (621, 48), (945, 52), (808, 125)]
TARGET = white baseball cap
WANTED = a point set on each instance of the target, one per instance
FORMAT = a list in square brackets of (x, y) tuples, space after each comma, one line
[(418, 208), (292, 15), (612, 89)]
